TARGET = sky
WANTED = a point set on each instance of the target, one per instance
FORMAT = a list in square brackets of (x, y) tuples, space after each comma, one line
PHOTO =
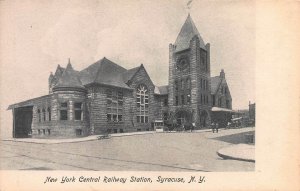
[(36, 36)]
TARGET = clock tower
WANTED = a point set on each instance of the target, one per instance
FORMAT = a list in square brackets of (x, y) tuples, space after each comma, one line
[(189, 77)]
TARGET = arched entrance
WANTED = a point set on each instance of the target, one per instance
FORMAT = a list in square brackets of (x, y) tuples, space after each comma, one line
[(203, 118), (183, 117)]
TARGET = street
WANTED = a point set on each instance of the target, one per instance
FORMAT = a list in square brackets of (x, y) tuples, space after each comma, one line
[(182, 151)]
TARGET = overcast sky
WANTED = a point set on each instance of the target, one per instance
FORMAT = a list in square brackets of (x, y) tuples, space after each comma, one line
[(36, 36)]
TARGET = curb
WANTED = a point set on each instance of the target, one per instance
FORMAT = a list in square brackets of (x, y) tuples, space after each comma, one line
[(234, 158)]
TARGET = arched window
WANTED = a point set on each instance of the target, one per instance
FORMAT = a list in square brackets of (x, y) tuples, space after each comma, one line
[(39, 115), (44, 114), (49, 113), (142, 101)]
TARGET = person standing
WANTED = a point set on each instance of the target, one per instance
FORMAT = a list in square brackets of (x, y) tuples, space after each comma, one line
[(217, 127), (213, 127)]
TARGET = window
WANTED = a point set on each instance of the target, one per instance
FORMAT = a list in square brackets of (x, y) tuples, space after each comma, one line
[(213, 100), (165, 116), (182, 99), (176, 85), (206, 85), (142, 104), (227, 104), (49, 132), (176, 100), (201, 83), (121, 131), (64, 111), (166, 102), (49, 114), (188, 98), (44, 115), (114, 107), (115, 130), (188, 83), (39, 114), (39, 131), (78, 132), (78, 110), (44, 131)]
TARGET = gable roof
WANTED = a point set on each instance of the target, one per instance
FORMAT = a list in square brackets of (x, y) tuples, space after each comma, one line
[(130, 73), (215, 83), (187, 32), (161, 90), (69, 78)]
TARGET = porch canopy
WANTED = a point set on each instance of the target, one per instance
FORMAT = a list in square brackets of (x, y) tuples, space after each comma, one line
[(216, 109)]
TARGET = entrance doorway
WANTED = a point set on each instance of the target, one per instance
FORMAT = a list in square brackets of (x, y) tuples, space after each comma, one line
[(22, 122), (183, 117), (203, 118)]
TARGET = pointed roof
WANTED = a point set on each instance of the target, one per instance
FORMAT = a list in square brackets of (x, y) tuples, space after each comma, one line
[(130, 73), (215, 83), (69, 78), (187, 32), (104, 72), (59, 71)]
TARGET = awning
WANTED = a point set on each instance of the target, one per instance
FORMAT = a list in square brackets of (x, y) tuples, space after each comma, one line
[(26, 103), (236, 119), (222, 109)]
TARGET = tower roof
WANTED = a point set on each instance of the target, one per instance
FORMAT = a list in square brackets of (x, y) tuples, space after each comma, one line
[(187, 32), (69, 79)]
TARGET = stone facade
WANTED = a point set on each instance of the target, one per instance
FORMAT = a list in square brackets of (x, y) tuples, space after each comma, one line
[(107, 98)]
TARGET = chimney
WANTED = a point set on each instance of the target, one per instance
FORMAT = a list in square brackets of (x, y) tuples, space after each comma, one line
[(222, 74)]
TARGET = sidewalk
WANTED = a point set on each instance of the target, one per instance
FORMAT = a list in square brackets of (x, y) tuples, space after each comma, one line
[(244, 152), (88, 138), (74, 140)]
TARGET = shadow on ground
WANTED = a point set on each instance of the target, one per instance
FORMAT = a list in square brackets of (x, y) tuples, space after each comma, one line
[(235, 138)]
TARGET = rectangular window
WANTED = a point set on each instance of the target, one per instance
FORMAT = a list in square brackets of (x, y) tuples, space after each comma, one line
[(146, 119), (39, 131), (114, 107), (213, 100), (115, 130), (44, 131), (78, 110), (121, 131), (78, 132), (108, 117), (120, 117), (165, 116), (166, 102), (114, 117), (138, 119), (64, 111), (227, 104), (63, 115), (176, 100), (188, 84), (176, 86), (182, 100), (188, 98), (142, 119)]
